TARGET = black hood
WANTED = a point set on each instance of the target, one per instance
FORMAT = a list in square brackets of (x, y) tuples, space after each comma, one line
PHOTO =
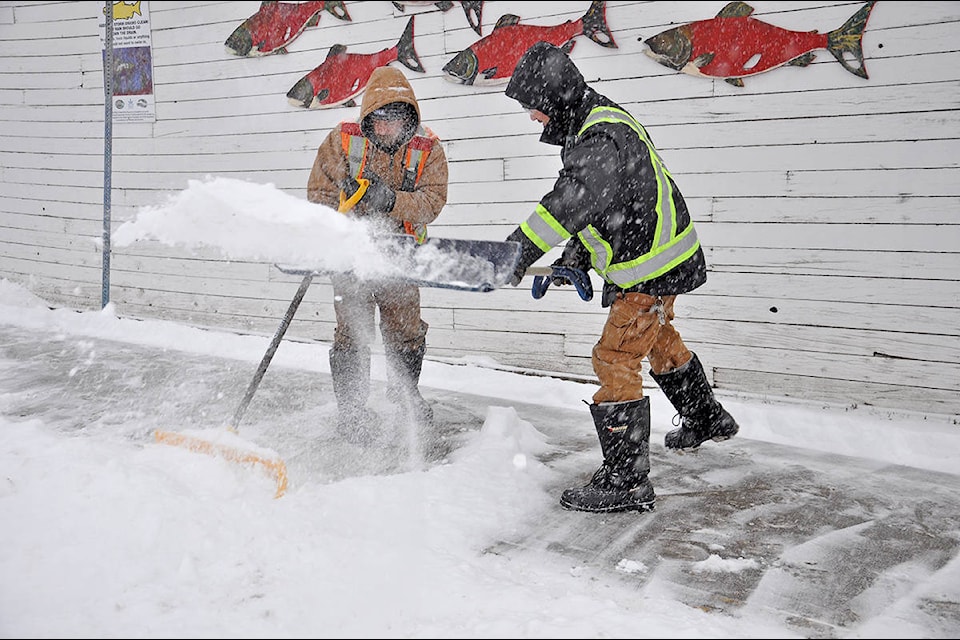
[(546, 79)]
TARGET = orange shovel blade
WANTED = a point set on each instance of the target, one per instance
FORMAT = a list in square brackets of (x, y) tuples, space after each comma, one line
[(273, 466)]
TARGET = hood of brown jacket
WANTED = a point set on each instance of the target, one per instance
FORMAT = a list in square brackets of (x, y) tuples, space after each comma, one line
[(386, 85)]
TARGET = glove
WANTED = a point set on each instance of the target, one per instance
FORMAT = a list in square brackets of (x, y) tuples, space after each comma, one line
[(379, 198), (529, 254), (517, 275)]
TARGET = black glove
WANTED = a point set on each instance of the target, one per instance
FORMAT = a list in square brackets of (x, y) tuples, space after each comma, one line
[(517, 275), (379, 198), (529, 254)]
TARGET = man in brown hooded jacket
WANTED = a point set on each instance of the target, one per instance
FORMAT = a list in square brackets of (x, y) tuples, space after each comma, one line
[(405, 171)]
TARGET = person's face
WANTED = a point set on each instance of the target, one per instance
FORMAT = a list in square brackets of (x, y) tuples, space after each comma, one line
[(537, 116), (388, 130)]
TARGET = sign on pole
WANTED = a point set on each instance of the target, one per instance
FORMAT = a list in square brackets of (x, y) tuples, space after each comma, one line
[(133, 99)]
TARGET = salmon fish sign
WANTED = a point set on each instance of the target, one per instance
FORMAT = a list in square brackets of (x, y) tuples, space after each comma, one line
[(492, 59), (277, 24), (473, 10), (342, 76), (733, 46)]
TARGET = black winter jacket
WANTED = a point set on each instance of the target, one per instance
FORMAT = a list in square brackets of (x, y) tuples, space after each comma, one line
[(608, 178)]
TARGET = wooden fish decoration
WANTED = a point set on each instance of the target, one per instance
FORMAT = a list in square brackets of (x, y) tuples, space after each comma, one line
[(492, 59), (277, 24), (733, 45), (343, 76), (473, 10)]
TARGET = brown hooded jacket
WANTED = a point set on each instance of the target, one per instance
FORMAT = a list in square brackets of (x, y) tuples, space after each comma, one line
[(331, 165)]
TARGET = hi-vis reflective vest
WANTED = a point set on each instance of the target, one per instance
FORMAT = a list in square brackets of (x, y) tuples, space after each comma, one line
[(414, 160), (671, 246)]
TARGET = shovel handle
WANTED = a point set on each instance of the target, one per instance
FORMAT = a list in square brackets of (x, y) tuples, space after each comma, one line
[(271, 350), (543, 277), (346, 204)]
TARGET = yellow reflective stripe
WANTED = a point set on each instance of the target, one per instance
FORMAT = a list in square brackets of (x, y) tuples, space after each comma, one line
[(417, 230), (657, 262), (609, 114), (413, 168), (356, 150), (600, 250), (670, 248), (413, 159), (666, 229), (357, 154), (543, 229)]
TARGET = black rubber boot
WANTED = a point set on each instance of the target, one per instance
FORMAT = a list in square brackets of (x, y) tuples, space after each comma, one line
[(403, 380), (703, 417), (350, 370), (621, 483)]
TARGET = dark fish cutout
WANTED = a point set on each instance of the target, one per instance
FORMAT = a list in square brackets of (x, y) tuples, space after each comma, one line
[(473, 11)]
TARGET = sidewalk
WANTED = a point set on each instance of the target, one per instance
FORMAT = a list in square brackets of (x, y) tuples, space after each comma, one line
[(741, 528)]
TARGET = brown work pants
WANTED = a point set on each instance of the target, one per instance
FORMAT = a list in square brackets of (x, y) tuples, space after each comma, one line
[(355, 303), (638, 326)]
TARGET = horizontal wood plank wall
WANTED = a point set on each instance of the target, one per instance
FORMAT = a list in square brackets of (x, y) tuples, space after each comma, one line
[(828, 205)]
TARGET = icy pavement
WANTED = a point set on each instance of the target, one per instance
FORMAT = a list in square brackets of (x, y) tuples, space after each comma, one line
[(825, 545)]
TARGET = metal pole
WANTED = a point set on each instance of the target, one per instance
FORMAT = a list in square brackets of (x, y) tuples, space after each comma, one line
[(107, 147)]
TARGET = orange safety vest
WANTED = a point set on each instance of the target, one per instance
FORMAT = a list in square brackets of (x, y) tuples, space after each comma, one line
[(414, 160)]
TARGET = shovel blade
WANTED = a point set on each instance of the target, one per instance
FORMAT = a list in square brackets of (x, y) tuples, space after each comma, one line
[(219, 446)]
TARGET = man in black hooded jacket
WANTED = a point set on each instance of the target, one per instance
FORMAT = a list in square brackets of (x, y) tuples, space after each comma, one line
[(621, 214)]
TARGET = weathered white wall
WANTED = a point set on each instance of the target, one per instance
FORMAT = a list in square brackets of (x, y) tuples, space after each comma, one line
[(828, 204)]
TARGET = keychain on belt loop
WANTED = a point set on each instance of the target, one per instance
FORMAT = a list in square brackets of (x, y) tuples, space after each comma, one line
[(659, 310)]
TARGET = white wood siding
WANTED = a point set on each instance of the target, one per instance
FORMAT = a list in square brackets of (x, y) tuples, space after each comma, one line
[(827, 204)]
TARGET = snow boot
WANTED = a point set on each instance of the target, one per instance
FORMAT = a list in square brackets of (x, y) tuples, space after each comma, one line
[(621, 482), (703, 417), (403, 379), (350, 370)]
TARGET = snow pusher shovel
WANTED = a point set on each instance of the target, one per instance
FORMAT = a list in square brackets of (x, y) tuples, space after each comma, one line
[(441, 263), (444, 263), (466, 265), (226, 444)]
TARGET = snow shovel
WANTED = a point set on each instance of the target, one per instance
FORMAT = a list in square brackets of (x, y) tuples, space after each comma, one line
[(444, 263), (226, 444)]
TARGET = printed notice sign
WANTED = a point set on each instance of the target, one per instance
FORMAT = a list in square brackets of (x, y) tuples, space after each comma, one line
[(133, 99)]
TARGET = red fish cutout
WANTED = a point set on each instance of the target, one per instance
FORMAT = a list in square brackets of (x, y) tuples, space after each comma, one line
[(343, 76), (733, 45), (473, 10), (277, 24), (492, 59)]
